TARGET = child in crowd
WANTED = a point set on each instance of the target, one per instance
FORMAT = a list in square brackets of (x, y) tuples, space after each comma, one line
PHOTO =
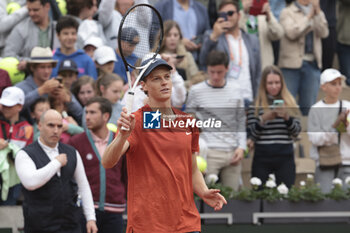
[(329, 132), (91, 44), (104, 58), (15, 134), (66, 29), (70, 126), (37, 109), (110, 86), (84, 89), (68, 73)]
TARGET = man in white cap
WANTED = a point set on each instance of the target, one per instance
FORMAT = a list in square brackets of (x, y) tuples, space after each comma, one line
[(161, 159), (38, 83), (15, 133), (329, 131)]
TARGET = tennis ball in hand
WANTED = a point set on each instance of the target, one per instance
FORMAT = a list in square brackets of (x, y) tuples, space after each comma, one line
[(10, 65), (12, 7), (112, 127), (201, 164)]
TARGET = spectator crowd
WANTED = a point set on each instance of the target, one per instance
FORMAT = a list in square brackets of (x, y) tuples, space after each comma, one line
[(257, 70)]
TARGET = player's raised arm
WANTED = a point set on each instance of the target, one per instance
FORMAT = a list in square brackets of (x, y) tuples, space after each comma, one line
[(119, 145)]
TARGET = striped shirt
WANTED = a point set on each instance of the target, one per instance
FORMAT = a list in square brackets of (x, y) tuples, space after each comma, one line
[(276, 131), (224, 104)]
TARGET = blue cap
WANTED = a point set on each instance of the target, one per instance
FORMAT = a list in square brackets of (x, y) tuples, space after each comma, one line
[(156, 63), (128, 34)]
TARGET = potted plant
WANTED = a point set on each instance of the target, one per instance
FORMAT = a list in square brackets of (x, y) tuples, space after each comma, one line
[(309, 198)]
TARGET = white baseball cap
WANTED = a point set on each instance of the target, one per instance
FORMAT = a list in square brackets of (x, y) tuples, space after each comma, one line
[(329, 75), (94, 41), (104, 54), (12, 96)]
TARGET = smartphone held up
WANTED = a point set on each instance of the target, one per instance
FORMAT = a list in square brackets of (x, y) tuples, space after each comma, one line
[(257, 7)]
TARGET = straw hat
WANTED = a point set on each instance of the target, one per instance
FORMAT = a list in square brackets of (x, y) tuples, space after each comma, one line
[(42, 55)]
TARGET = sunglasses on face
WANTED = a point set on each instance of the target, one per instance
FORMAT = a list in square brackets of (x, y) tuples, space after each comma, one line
[(229, 13), (134, 43)]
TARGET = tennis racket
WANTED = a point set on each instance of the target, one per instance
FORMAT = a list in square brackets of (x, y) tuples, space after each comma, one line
[(141, 26)]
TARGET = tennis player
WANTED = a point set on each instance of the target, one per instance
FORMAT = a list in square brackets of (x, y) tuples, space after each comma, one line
[(162, 168)]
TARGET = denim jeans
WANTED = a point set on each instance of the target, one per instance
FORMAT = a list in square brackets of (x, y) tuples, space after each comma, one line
[(304, 83), (344, 60)]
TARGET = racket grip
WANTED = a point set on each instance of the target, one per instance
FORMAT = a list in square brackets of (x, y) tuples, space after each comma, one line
[(128, 104)]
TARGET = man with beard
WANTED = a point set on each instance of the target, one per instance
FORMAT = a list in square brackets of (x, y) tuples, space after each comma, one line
[(108, 186)]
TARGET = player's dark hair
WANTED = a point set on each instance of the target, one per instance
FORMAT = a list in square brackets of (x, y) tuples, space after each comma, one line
[(215, 58), (104, 105)]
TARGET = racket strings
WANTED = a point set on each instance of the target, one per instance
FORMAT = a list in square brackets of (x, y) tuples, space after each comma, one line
[(139, 32)]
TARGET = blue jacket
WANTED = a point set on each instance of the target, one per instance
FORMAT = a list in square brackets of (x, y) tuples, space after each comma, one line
[(253, 47), (86, 65), (119, 67)]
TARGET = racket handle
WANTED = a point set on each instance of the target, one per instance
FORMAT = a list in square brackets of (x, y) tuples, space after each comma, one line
[(128, 104)]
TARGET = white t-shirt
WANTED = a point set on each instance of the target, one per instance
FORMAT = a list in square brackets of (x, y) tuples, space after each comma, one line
[(239, 53), (320, 131)]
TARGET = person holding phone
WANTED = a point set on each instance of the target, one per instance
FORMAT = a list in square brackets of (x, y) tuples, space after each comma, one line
[(39, 83), (272, 127), (257, 18), (242, 48), (173, 46)]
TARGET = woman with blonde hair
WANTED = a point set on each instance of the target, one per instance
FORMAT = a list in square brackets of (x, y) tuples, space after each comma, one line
[(173, 48), (277, 89), (272, 127)]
